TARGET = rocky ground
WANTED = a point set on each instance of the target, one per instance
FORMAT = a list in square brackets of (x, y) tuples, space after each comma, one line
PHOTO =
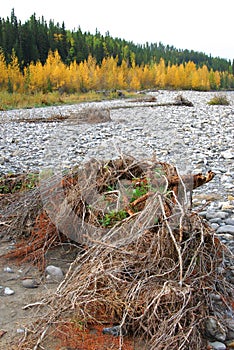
[(195, 139)]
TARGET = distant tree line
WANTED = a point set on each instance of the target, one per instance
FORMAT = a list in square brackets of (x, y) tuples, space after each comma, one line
[(33, 40), (88, 75)]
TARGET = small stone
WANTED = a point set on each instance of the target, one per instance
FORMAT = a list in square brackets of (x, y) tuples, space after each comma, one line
[(228, 186), (226, 229), (230, 329), (54, 272), (228, 154), (20, 330), (29, 283), (225, 236), (203, 213), (215, 221), (217, 345), (8, 269), (116, 331), (215, 297), (215, 330), (229, 221), (9, 291), (216, 215), (214, 226)]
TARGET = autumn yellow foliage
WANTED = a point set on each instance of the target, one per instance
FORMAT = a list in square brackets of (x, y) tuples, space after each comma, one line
[(55, 75)]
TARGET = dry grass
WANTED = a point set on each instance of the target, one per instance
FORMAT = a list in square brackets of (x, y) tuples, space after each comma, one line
[(40, 99)]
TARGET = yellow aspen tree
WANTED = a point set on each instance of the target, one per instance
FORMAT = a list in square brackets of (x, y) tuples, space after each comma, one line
[(102, 74), (73, 77), (180, 77), (147, 80), (161, 74), (4, 72), (189, 70), (217, 79), (112, 75), (134, 78), (121, 78), (108, 71), (171, 76), (92, 72), (214, 79), (55, 71), (83, 72), (125, 70), (153, 69), (37, 77), (134, 83), (15, 77), (204, 78), (195, 80)]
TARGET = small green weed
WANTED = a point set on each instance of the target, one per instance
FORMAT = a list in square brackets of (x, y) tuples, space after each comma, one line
[(111, 218), (219, 100), (138, 192), (11, 184)]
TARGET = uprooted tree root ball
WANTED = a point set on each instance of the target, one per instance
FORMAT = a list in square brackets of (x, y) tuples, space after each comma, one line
[(149, 264)]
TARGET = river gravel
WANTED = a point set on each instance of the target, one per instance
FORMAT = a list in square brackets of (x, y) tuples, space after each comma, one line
[(195, 139)]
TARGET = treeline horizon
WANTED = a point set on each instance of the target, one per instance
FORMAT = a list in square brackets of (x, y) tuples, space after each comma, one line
[(32, 41)]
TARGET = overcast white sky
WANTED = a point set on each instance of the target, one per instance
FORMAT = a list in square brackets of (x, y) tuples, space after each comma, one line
[(200, 25)]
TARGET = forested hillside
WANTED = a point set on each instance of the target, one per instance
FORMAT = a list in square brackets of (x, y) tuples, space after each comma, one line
[(33, 39), (31, 51)]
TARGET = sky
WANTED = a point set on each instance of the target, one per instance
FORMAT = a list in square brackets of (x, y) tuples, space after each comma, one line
[(200, 25)]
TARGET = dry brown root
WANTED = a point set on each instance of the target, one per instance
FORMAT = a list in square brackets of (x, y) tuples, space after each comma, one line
[(151, 272)]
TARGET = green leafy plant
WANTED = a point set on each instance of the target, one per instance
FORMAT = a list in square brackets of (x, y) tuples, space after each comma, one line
[(138, 192), (111, 218)]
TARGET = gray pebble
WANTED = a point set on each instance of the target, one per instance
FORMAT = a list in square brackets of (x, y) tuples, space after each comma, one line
[(215, 221), (203, 213), (226, 229), (54, 272), (214, 329), (29, 283), (229, 221), (225, 236), (217, 215), (217, 345), (214, 226)]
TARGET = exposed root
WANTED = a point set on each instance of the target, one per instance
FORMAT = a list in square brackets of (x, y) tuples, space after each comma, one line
[(149, 265)]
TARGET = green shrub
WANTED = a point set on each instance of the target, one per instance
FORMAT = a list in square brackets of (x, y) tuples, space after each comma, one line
[(219, 100)]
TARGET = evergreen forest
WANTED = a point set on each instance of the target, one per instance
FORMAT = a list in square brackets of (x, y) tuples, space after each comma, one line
[(40, 56)]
